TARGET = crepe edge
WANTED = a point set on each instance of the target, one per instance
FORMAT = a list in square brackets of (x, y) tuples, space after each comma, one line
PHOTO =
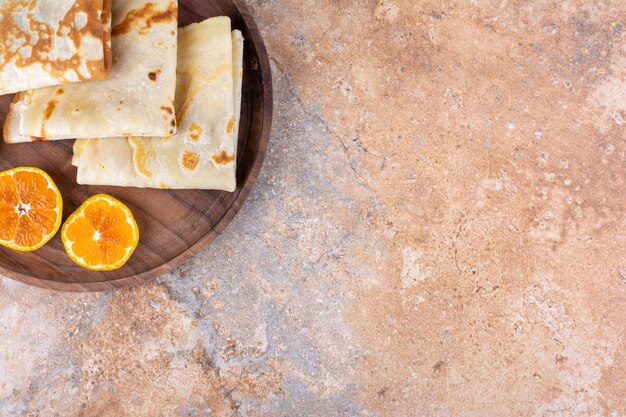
[(106, 19), (107, 24), (238, 51), (11, 129)]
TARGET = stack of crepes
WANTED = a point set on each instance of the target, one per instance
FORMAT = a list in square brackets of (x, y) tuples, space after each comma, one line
[(166, 116)]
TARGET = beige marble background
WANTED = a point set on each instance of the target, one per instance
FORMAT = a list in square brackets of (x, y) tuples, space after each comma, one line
[(439, 230)]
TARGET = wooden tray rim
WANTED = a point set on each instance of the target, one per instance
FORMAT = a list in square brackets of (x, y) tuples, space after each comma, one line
[(229, 215)]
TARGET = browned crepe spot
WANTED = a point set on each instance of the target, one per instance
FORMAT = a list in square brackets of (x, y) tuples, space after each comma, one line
[(141, 157), (230, 126), (223, 158), (144, 17), (107, 6), (195, 132), (96, 11), (152, 75), (191, 160), (52, 104)]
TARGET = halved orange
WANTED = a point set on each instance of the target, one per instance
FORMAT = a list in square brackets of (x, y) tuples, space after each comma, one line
[(31, 208), (101, 235)]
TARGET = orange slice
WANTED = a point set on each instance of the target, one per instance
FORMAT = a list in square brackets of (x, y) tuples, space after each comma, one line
[(101, 235), (31, 208)]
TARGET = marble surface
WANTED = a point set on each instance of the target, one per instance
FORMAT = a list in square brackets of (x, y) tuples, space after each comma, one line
[(439, 230)]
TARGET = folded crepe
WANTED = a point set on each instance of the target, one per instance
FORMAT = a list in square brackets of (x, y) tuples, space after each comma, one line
[(208, 100), (137, 99), (51, 42)]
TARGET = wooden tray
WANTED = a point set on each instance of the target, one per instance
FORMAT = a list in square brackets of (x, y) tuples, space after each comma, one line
[(174, 225)]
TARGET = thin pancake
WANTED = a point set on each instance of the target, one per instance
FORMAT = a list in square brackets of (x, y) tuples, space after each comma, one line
[(136, 100), (51, 42), (202, 154)]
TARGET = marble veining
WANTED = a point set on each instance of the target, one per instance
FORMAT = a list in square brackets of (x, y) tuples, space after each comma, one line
[(439, 230)]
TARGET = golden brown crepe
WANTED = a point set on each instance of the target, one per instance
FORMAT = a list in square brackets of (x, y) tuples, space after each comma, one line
[(137, 99), (51, 42), (202, 154)]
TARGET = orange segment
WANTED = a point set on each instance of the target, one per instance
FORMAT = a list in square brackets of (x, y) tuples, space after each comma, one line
[(8, 221), (96, 212), (8, 190), (27, 233), (44, 218), (30, 208), (101, 235)]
